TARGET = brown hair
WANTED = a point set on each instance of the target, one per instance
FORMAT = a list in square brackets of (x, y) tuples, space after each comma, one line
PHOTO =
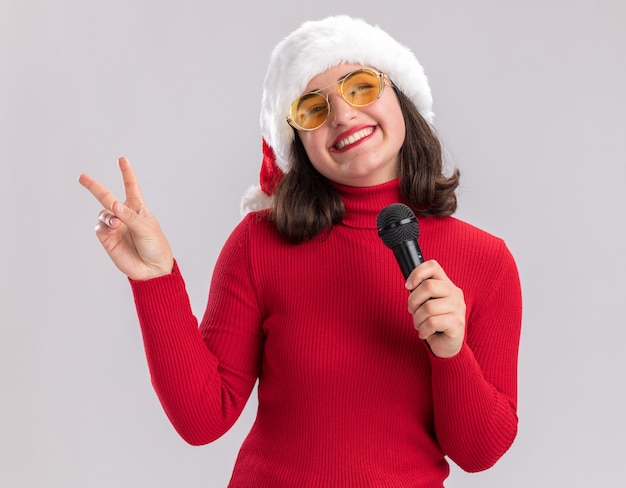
[(306, 204)]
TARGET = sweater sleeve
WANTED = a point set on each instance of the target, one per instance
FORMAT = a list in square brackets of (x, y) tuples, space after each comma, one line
[(475, 392), (201, 392)]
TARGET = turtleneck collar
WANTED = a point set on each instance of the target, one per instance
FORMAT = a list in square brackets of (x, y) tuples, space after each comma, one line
[(364, 203)]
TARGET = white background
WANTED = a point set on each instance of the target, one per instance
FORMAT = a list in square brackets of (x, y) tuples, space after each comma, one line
[(530, 104)]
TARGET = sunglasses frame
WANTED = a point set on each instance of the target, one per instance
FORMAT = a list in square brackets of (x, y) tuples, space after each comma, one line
[(339, 88)]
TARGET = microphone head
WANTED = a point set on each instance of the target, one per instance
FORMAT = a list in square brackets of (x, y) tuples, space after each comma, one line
[(397, 224)]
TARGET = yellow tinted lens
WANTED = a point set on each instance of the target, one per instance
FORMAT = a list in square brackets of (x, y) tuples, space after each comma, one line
[(361, 88), (309, 111)]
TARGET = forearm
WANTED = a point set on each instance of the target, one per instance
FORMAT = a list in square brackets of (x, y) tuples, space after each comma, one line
[(474, 422), (184, 372), (475, 392)]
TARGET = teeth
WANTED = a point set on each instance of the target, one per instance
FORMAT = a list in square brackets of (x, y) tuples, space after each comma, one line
[(354, 137)]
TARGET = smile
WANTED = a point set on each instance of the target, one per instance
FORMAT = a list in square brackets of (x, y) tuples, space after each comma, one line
[(352, 138)]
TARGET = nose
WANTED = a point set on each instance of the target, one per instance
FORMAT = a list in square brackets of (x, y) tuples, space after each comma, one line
[(341, 112)]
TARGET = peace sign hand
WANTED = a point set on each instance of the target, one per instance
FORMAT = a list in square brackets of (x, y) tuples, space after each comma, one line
[(129, 233)]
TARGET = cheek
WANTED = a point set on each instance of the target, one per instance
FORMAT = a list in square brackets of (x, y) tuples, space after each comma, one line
[(313, 143), (316, 151), (401, 130), (397, 129)]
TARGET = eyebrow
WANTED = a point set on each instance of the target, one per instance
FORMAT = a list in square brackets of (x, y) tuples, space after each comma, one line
[(339, 80)]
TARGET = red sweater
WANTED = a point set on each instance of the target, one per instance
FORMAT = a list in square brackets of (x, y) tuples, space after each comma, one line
[(348, 395)]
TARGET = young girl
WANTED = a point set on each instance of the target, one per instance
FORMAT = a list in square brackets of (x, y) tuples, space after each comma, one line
[(364, 379)]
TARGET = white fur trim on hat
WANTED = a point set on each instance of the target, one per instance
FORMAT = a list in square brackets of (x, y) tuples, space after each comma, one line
[(312, 49)]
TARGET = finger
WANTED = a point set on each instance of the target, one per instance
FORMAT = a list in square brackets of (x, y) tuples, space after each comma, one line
[(131, 185), (108, 218), (130, 218), (427, 328), (433, 307), (427, 270), (98, 190), (428, 290), (450, 324), (443, 343)]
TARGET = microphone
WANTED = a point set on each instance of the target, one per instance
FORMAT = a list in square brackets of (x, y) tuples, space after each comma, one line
[(399, 230)]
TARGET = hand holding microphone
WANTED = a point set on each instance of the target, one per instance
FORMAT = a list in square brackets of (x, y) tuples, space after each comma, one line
[(435, 302)]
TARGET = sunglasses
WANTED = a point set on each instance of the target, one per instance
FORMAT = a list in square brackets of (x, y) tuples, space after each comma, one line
[(359, 88)]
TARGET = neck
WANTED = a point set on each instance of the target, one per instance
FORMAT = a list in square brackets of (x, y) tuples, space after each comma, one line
[(364, 203)]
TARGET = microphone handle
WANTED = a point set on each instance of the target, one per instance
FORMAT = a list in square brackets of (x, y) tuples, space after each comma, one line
[(409, 256)]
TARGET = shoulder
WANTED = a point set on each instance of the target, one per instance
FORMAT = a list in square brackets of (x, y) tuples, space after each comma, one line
[(453, 225), (464, 247), (254, 223), (249, 247), (451, 231), (255, 234)]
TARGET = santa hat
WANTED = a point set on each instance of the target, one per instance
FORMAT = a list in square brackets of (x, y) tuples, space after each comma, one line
[(308, 51)]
